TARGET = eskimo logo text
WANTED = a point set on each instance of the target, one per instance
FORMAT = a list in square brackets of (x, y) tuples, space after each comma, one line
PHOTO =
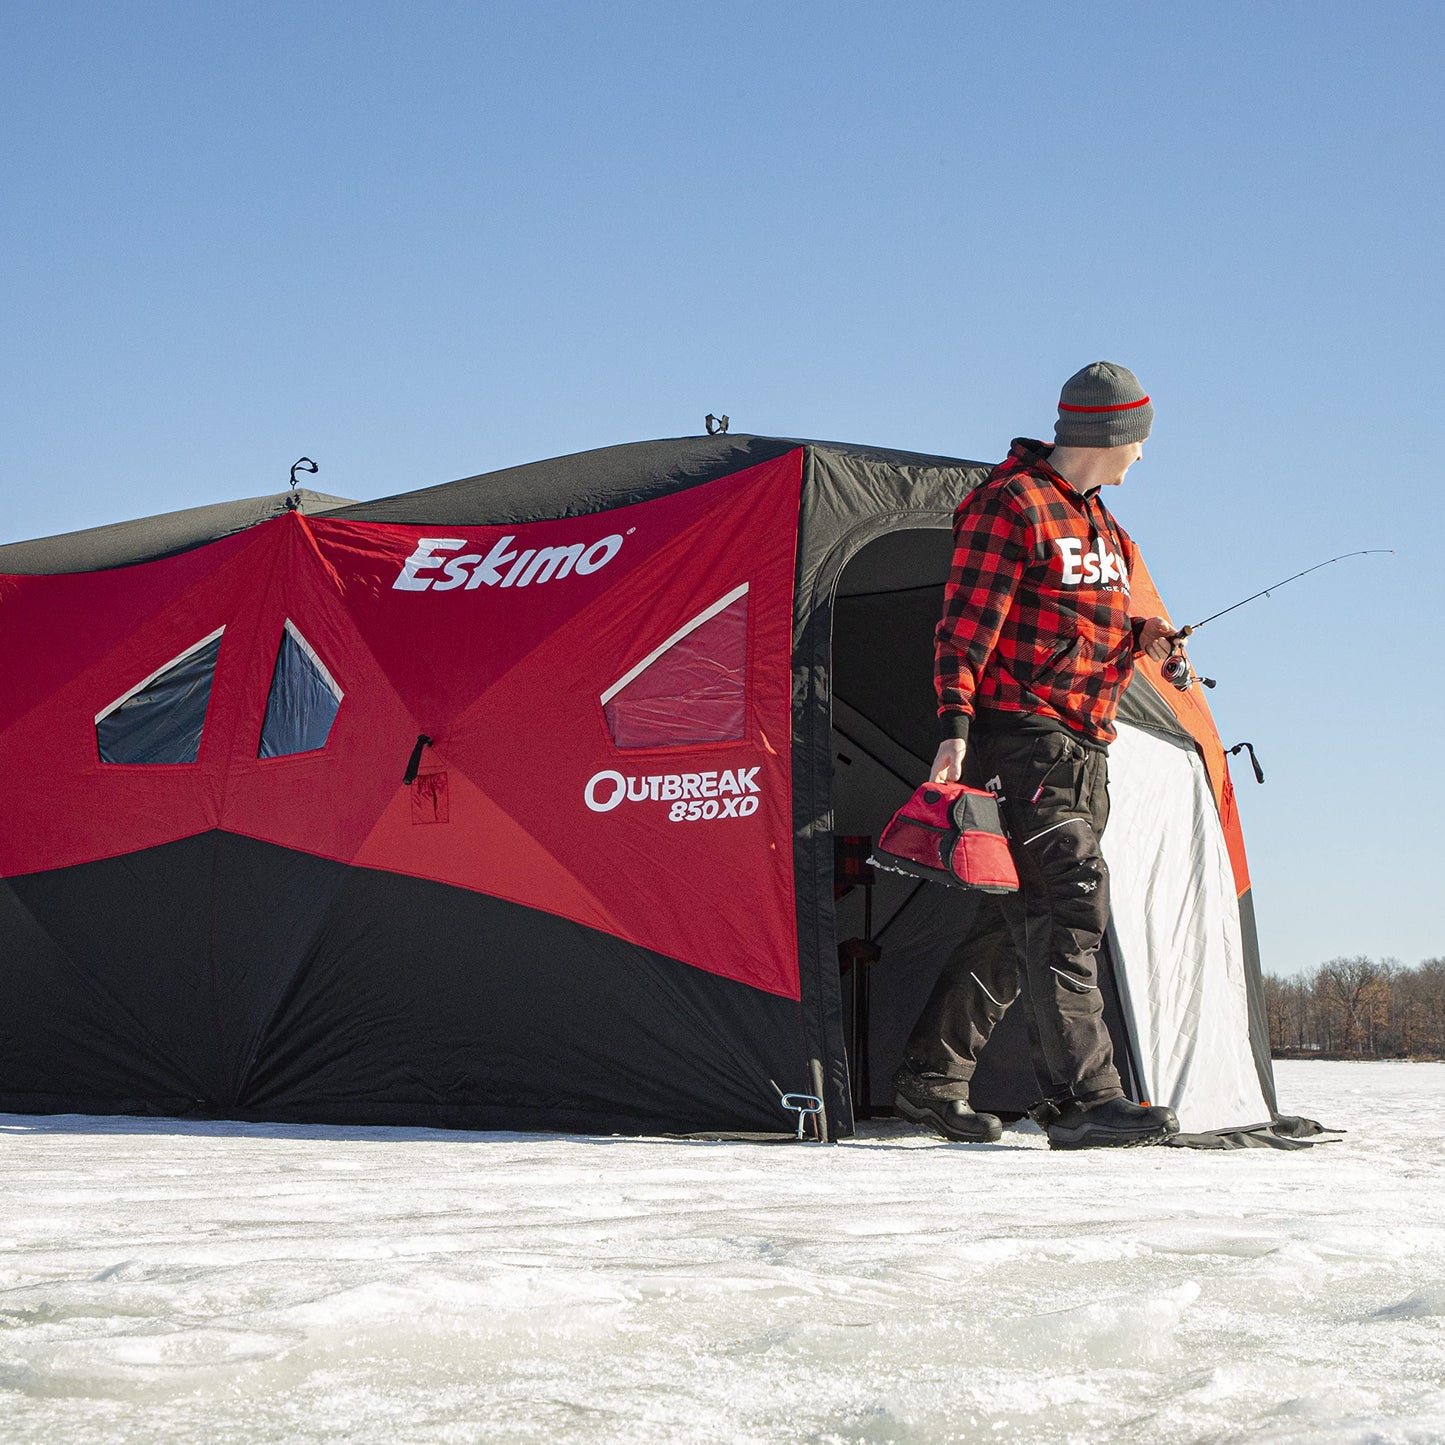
[(1098, 565), (503, 566), (694, 797)]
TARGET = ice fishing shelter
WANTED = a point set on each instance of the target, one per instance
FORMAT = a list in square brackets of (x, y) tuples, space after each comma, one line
[(511, 803)]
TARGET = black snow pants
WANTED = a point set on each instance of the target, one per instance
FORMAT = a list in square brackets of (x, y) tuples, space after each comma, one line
[(1043, 940)]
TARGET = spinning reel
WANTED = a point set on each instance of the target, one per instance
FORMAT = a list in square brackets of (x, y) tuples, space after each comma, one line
[(1177, 672)]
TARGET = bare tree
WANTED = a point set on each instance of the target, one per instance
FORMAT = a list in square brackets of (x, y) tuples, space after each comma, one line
[(1286, 1002), (1276, 1010), (1360, 1006), (1420, 995), (1354, 994)]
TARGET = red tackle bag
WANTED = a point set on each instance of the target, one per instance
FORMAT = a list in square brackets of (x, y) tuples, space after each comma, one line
[(947, 833)]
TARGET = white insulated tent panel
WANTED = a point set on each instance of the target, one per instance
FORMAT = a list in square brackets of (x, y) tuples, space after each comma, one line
[(1179, 955)]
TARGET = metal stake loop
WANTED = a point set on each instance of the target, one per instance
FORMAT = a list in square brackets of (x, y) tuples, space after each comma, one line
[(803, 1105)]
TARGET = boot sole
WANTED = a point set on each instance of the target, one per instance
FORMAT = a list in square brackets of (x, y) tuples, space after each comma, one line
[(1086, 1138), (991, 1132)]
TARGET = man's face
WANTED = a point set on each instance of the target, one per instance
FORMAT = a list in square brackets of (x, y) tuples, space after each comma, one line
[(1123, 458)]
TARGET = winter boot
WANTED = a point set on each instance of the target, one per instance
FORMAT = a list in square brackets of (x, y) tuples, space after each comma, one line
[(942, 1104), (1109, 1124)]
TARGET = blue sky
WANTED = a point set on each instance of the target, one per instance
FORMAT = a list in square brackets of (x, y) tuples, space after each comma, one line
[(421, 241)]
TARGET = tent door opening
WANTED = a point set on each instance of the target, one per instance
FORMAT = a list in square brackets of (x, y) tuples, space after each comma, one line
[(884, 734)]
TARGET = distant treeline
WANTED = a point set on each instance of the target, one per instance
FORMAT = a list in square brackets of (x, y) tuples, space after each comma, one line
[(1358, 1006)]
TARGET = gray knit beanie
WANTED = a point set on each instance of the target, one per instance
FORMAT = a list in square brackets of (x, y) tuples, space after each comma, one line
[(1103, 406)]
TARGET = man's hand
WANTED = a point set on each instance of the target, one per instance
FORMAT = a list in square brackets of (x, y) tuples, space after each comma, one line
[(1156, 638), (948, 761)]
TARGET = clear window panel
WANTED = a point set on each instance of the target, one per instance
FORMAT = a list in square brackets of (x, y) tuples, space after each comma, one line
[(693, 689)]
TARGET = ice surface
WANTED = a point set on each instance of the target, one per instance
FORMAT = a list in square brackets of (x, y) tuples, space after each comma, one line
[(240, 1283)]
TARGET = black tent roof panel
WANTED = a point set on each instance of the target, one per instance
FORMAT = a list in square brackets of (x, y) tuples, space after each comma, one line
[(596, 481), (567, 486), (122, 544)]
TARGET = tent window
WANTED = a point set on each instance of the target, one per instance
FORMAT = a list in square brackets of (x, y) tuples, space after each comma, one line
[(691, 689), (161, 718), (303, 701)]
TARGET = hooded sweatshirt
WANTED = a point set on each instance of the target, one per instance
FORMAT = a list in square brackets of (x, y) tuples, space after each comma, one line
[(1036, 611)]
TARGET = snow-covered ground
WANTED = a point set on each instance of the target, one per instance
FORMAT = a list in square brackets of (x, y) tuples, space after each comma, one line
[(240, 1283)]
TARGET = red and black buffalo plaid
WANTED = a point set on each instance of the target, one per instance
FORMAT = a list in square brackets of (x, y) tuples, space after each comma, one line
[(1036, 611)]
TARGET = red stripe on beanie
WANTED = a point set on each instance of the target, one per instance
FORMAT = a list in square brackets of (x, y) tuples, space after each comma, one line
[(1122, 406)]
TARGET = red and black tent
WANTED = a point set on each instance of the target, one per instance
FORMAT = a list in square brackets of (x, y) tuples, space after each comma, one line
[(512, 803)]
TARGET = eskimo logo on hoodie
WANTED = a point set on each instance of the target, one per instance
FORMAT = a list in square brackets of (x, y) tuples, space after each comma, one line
[(503, 566), (1098, 566)]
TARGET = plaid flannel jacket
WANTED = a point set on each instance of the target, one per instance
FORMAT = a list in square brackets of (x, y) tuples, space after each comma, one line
[(1036, 610)]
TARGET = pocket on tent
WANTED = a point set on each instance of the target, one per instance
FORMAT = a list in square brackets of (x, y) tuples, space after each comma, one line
[(429, 802)]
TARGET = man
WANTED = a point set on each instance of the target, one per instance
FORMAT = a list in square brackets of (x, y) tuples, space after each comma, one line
[(1034, 649)]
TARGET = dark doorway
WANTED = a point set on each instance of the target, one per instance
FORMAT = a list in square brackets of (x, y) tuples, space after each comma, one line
[(885, 732)]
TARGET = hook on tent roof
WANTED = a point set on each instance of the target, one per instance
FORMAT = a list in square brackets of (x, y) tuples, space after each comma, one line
[(1253, 761), (303, 464), (717, 426)]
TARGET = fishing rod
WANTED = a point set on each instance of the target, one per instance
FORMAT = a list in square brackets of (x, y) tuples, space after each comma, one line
[(1176, 668), (1275, 586)]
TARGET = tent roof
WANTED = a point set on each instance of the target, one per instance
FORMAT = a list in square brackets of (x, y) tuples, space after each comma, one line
[(567, 486), (120, 544), (595, 481)]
